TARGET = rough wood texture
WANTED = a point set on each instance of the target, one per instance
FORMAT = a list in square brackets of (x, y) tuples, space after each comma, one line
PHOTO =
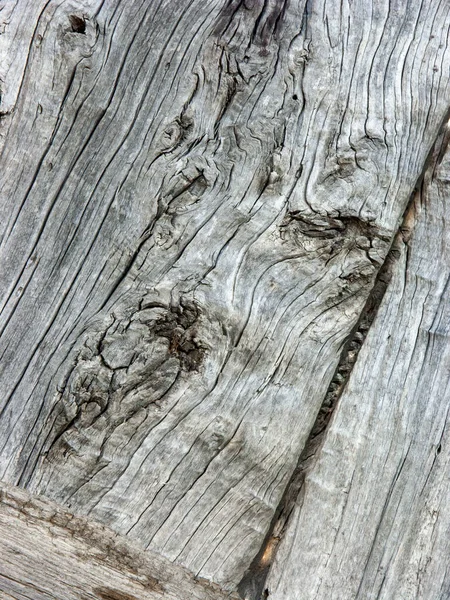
[(373, 517), (49, 554), (198, 196)]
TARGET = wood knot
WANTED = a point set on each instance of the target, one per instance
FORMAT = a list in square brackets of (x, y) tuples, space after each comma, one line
[(176, 132), (178, 326)]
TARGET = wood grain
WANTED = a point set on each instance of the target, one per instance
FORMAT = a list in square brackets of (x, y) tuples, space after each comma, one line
[(198, 197), (48, 553), (372, 521)]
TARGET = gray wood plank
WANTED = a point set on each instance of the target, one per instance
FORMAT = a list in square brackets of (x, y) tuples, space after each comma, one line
[(198, 196), (373, 520)]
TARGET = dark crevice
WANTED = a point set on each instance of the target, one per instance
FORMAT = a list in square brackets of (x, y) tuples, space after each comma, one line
[(78, 24), (253, 584)]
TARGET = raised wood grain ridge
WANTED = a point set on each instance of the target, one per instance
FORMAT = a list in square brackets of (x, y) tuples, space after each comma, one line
[(197, 197), (47, 553), (373, 520)]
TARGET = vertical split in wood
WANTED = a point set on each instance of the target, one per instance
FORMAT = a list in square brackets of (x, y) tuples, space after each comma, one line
[(252, 585), (380, 483)]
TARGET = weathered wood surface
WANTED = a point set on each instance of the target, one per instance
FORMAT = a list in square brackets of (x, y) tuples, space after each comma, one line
[(49, 554), (196, 198), (373, 517)]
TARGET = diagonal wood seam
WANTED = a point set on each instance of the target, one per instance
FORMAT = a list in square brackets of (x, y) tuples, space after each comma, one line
[(252, 585), (88, 544)]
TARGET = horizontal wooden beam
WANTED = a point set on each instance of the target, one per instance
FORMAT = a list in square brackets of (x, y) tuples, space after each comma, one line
[(47, 553)]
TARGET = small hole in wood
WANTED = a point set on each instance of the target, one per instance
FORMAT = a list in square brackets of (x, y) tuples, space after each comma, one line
[(438, 449), (78, 24), (295, 97)]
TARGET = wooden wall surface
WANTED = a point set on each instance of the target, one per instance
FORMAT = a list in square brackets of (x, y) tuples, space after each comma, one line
[(197, 197)]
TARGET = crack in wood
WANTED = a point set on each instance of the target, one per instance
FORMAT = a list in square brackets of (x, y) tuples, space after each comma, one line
[(253, 584)]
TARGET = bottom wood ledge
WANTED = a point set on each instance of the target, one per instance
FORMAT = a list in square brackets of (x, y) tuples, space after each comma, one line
[(46, 553)]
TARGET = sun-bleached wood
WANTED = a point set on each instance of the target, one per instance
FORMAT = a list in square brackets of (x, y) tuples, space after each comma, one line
[(196, 198), (373, 519), (49, 554)]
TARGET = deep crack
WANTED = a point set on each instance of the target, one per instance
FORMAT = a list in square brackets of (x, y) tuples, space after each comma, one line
[(253, 584)]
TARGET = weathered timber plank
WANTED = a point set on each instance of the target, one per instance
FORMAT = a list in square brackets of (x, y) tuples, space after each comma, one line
[(46, 553), (198, 196), (373, 517)]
